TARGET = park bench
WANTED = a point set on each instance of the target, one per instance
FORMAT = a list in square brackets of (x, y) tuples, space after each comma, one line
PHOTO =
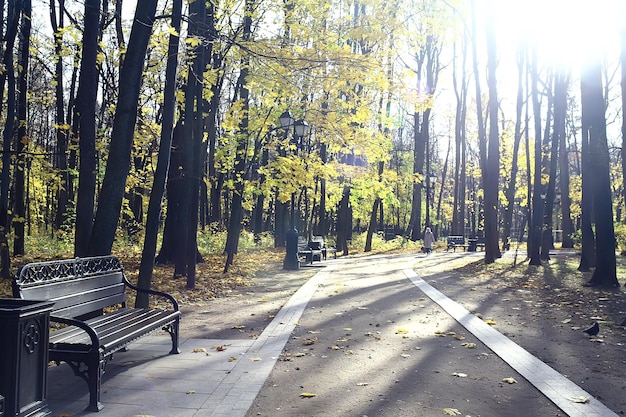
[(476, 243), (90, 317), (456, 241), (318, 242), (308, 252)]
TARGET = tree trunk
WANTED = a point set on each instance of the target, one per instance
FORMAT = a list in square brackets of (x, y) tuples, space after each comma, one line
[(534, 238), (234, 227), (62, 194), (22, 135), (517, 137), (460, 90), (492, 176), (160, 175), (85, 117), (605, 273), (7, 79), (623, 87), (375, 207), (588, 249), (558, 98), (122, 134)]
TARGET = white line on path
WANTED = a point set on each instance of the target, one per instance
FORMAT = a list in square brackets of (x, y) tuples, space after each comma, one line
[(552, 384)]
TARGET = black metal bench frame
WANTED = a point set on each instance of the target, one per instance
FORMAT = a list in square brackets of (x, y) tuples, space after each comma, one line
[(82, 289), (321, 243), (456, 241), (307, 252)]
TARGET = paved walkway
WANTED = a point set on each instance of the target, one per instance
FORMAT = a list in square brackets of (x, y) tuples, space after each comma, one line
[(147, 381)]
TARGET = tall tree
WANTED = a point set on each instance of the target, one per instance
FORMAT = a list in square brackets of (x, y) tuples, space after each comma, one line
[(491, 176), (22, 136), (187, 227), (122, 135), (160, 175), (460, 168), (482, 131), (234, 227), (85, 116), (7, 80), (62, 131), (536, 220), (426, 71), (511, 186), (623, 88), (593, 107)]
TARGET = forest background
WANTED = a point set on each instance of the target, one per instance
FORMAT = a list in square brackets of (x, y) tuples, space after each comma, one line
[(133, 122)]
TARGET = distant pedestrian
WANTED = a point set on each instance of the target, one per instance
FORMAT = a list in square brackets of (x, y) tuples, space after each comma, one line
[(429, 239)]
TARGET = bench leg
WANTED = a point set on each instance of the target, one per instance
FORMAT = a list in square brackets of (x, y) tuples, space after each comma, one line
[(172, 329), (95, 369)]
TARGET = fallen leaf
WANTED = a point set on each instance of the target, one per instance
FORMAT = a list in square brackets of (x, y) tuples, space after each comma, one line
[(509, 380), (362, 384), (220, 348), (199, 350), (402, 330), (459, 374), (582, 399), (348, 329), (490, 322), (307, 395), (405, 355), (255, 359), (451, 412), (566, 321), (308, 342), (469, 345), (232, 359), (239, 326), (459, 337), (191, 392)]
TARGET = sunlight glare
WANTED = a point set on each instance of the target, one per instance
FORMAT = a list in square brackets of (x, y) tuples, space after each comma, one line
[(565, 32)]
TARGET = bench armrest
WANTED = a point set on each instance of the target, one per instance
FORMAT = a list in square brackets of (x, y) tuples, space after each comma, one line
[(153, 292), (93, 335)]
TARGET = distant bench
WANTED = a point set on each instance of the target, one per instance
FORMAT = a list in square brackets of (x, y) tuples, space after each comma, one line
[(82, 289), (315, 249), (455, 242), (471, 245)]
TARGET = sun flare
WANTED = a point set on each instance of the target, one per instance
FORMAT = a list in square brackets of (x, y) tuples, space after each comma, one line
[(564, 32)]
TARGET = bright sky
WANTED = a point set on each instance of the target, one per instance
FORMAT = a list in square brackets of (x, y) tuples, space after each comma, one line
[(563, 29)]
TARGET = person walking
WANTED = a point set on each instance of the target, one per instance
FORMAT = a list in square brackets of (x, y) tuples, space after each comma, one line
[(429, 239)]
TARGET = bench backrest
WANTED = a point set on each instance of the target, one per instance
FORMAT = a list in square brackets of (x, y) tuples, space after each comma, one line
[(78, 286), (317, 242), (457, 240), (302, 243)]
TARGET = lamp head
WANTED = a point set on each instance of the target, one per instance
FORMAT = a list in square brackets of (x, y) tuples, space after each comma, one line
[(286, 120)]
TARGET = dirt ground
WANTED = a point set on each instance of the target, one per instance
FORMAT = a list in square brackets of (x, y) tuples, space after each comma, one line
[(545, 312)]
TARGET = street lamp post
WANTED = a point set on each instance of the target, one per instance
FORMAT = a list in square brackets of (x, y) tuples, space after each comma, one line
[(300, 130)]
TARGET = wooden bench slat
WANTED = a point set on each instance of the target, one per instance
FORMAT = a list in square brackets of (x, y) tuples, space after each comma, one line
[(115, 332)]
